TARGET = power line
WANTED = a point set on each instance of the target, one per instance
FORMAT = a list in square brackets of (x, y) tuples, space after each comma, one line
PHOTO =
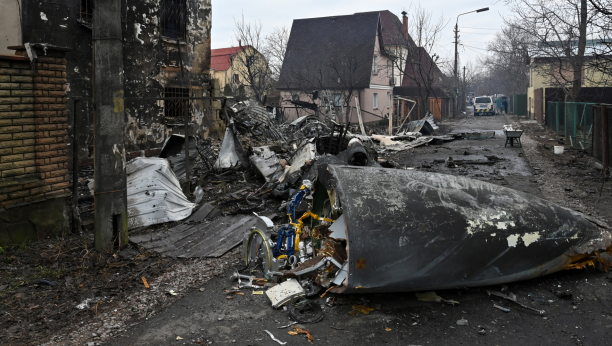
[(476, 33), (465, 45), (471, 27)]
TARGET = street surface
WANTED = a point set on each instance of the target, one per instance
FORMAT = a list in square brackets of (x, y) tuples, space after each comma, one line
[(578, 303)]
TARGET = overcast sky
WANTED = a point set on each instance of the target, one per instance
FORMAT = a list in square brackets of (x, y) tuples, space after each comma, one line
[(475, 28)]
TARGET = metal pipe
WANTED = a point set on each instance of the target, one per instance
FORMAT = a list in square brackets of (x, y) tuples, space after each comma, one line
[(186, 120), (456, 78), (76, 224), (604, 139)]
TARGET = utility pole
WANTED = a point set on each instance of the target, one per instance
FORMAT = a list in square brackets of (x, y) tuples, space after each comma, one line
[(455, 110), (455, 72), (463, 89), (110, 183)]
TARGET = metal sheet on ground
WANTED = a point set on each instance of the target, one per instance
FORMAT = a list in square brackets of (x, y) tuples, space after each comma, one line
[(205, 234)]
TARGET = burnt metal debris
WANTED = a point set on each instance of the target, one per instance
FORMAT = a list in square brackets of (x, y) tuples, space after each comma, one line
[(339, 222), (341, 205)]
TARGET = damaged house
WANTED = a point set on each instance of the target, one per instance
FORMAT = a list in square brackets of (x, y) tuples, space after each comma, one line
[(417, 75), (241, 71), (338, 63), (46, 91)]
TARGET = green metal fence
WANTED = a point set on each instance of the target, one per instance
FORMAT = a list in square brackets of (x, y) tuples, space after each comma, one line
[(573, 120), (517, 104)]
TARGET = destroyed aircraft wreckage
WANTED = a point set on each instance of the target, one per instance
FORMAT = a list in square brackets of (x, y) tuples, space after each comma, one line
[(354, 226), (369, 229)]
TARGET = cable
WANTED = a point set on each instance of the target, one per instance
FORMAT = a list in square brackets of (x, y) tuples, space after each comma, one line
[(470, 27)]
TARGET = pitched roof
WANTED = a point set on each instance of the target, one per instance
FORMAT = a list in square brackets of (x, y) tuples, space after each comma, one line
[(414, 91), (320, 50), (220, 59), (420, 67), (392, 30)]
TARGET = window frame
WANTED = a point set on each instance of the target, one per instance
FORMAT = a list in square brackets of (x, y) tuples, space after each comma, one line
[(375, 101), (173, 109), (388, 99), (169, 6), (86, 14)]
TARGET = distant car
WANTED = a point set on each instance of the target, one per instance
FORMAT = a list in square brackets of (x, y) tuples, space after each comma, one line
[(484, 105)]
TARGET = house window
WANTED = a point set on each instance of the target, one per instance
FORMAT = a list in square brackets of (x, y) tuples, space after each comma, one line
[(86, 12), (236, 79), (295, 97), (375, 65), (375, 101), (389, 68), (388, 99), (174, 19), (337, 100), (173, 109)]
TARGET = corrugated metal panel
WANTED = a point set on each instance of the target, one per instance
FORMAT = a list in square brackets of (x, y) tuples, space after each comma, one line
[(154, 194)]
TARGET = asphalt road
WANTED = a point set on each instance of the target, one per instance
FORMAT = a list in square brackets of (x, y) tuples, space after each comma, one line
[(584, 318)]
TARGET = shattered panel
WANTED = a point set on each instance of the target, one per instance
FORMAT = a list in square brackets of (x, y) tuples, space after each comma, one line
[(410, 230), (154, 194)]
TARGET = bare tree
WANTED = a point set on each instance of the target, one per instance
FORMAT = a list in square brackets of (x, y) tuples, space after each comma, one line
[(250, 64), (558, 31), (509, 60), (602, 52), (274, 49)]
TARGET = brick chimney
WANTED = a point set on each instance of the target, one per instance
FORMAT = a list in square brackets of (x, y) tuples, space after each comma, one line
[(404, 24)]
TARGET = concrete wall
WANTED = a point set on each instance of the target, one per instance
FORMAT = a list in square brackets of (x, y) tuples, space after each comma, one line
[(10, 25), (151, 62), (540, 77)]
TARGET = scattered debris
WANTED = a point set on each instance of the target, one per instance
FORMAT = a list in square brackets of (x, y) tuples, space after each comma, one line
[(511, 297), (275, 339), (281, 294), (501, 308), (307, 311), (299, 330), (44, 282), (287, 326), (145, 283), (85, 304), (154, 193), (478, 135), (431, 296), (362, 309), (231, 153), (462, 322)]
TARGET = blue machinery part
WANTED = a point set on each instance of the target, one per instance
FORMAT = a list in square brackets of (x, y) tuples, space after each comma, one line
[(287, 231), (295, 201)]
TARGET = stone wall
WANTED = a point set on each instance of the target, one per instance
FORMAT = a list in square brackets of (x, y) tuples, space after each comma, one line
[(33, 143)]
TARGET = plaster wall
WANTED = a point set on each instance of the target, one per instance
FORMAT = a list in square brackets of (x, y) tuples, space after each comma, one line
[(10, 27)]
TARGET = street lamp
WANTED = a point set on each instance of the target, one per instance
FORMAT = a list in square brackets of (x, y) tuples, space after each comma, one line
[(457, 53)]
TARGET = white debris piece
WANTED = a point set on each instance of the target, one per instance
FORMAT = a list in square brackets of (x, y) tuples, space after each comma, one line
[(281, 294), (154, 194)]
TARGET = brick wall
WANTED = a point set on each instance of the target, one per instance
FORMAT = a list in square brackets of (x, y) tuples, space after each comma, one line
[(33, 122)]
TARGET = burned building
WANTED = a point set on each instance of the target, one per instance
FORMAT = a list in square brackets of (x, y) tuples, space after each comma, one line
[(166, 53)]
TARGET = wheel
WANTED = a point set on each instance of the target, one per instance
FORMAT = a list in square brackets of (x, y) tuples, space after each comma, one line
[(258, 250)]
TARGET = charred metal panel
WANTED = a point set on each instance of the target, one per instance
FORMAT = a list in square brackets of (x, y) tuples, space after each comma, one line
[(410, 230)]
